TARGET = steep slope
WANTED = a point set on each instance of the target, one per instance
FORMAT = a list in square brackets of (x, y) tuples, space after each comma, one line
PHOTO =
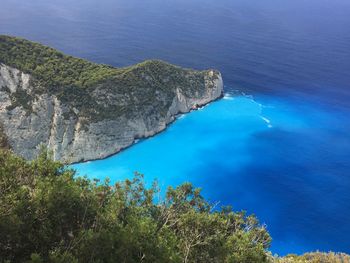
[(84, 111)]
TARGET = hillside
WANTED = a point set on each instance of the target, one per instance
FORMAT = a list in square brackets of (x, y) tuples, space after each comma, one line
[(83, 110)]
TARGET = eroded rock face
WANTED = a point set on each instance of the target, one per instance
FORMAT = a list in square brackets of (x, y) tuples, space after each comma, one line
[(30, 119)]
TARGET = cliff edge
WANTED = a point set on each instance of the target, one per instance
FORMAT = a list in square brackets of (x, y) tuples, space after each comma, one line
[(84, 111)]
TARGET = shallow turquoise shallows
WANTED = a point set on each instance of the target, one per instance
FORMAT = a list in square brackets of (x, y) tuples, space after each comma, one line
[(267, 156), (174, 155)]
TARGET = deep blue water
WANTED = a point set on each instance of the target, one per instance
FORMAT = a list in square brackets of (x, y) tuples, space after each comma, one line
[(282, 153)]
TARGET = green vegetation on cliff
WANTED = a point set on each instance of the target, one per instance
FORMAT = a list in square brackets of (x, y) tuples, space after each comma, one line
[(49, 66), (3, 139), (97, 91)]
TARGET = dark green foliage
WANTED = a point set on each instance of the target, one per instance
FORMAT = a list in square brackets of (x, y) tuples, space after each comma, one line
[(3, 139), (98, 91), (48, 215), (49, 66), (21, 98)]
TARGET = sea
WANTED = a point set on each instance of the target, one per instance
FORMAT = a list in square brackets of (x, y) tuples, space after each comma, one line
[(277, 145)]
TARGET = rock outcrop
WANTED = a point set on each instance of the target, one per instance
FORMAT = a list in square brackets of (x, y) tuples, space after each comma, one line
[(30, 118)]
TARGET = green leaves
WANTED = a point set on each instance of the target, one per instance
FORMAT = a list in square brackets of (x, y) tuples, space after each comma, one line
[(47, 214), (49, 66)]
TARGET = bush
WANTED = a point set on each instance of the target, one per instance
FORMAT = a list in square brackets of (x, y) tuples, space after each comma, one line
[(47, 214)]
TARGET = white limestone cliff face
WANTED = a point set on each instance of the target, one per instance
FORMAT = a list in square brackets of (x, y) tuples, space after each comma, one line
[(71, 139)]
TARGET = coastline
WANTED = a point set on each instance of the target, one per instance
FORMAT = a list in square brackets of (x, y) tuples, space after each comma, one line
[(172, 120)]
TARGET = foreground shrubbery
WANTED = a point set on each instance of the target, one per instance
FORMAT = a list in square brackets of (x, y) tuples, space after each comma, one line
[(47, 215)]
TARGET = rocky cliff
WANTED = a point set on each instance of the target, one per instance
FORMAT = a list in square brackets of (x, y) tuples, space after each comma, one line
[(79, 121)]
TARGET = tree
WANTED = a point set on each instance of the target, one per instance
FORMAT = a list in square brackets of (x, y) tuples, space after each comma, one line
[(48, 214)]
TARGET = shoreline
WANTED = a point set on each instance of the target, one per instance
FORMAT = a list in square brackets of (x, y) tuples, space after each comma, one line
[(175, 117)]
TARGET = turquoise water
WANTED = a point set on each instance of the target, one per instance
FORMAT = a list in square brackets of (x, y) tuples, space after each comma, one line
[(174, 156), (284, 155), (265, 155)]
